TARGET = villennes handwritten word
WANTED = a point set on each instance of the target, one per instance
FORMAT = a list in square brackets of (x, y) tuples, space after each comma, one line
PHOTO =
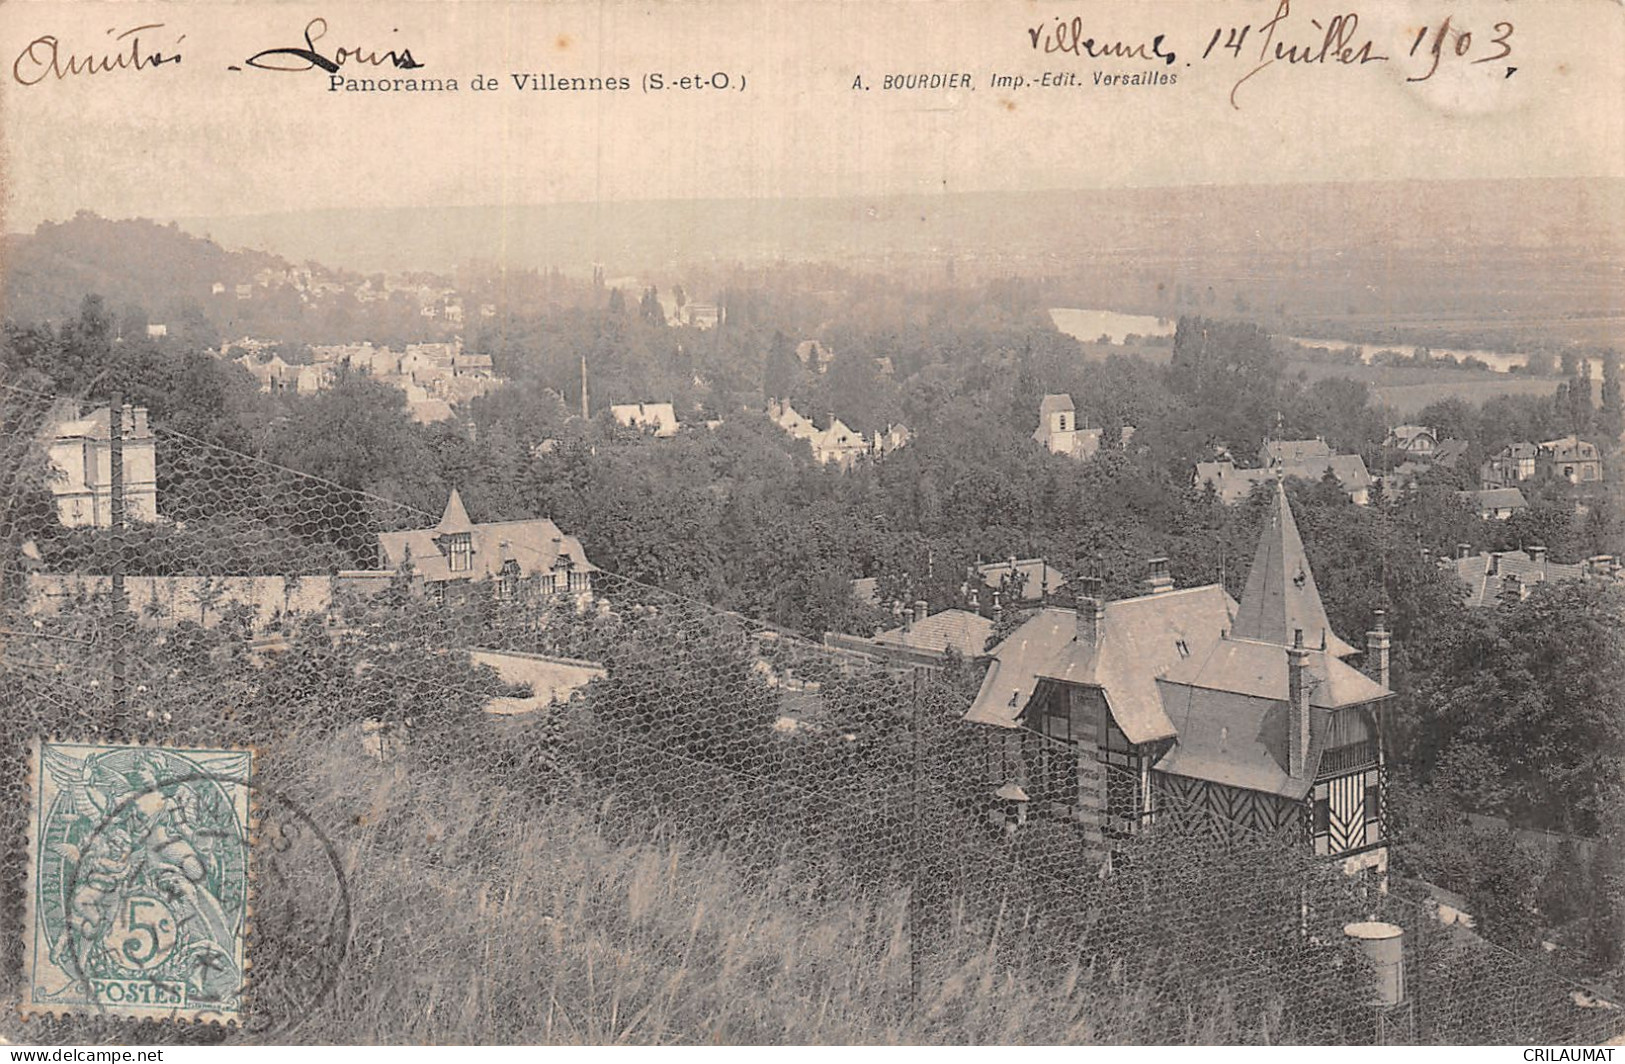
[(1066, 36)]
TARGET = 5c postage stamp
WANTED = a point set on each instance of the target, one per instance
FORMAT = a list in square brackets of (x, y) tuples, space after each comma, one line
[(138, 899)]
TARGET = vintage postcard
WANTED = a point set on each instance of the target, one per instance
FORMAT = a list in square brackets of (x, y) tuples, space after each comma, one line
[(812, 521)]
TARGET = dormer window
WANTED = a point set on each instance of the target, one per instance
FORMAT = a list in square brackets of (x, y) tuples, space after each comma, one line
[(460, 552)]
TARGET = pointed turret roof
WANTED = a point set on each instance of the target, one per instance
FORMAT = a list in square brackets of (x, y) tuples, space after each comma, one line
[(455, 519), (1281, 596)]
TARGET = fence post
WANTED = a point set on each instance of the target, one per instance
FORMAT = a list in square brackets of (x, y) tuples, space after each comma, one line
[(1419, 984), (115, 516), (916, 847)]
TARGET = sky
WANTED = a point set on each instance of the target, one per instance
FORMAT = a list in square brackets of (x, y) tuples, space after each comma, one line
[(195, 139)]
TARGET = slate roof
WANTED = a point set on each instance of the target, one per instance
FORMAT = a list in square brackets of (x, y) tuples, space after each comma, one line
[(1235, 739), (1570, 449), (1406, 434), (428, 411), (1449, 451), (807, 349), (1041, 576), (1233, 484), (1196, 667), (1290, 451), (538, 546), (1349, 469), (658, 418), (1405, 474), (1280, 596), (1141, 639), (1484, 587), (66, 422), (1245, 666), (1054, 404), (866, 589), (839, 435), (455, 517), (1230, 483), (786, 417), (964, 632), (1491, 499)]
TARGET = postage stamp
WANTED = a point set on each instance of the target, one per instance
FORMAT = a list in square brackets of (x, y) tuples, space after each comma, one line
[(138, 900)]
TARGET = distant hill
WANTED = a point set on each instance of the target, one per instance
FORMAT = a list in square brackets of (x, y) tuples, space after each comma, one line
[(1468, 247), (1036, 228), (1527, 255), (162, 268), (148, 273)]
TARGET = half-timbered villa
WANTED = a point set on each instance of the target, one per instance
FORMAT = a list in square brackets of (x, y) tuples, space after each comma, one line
[(1183, 704)]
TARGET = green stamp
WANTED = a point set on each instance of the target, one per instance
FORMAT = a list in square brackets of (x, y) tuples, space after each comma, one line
[(139, 890)]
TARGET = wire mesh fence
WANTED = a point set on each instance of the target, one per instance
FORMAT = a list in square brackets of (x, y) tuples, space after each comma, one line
[(506, 796)]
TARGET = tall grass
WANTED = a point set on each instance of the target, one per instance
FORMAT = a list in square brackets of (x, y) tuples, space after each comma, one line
[(479, 917)]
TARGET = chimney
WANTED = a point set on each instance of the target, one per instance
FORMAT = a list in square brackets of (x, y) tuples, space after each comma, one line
[(919, 610), (1297, 707), (1463, 550), (1537, 554), (1377, 644), (1495, 564), (1159, 581), (1091, 614)]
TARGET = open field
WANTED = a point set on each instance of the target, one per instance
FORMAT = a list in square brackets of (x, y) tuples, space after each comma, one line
[(1407, 389), (1507, 332)]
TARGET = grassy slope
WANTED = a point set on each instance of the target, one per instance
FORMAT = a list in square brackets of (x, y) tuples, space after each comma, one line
[(481, 919)]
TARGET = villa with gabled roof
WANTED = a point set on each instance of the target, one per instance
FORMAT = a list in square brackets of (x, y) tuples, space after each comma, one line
[(516, 557), (1185, 705)]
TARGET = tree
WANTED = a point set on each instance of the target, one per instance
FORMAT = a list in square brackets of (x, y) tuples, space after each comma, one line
[(1611, 416), (1535, 687), (650, 310), (781, 370)]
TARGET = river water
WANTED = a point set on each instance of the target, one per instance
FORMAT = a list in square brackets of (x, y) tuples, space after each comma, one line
[(1089, 326)]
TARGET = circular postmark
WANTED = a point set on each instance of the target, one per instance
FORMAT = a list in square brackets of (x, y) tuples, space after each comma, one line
[(150, 911), (302, 919)]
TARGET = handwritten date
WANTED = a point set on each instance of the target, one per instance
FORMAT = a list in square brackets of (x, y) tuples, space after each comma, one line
[(1288, 40)]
